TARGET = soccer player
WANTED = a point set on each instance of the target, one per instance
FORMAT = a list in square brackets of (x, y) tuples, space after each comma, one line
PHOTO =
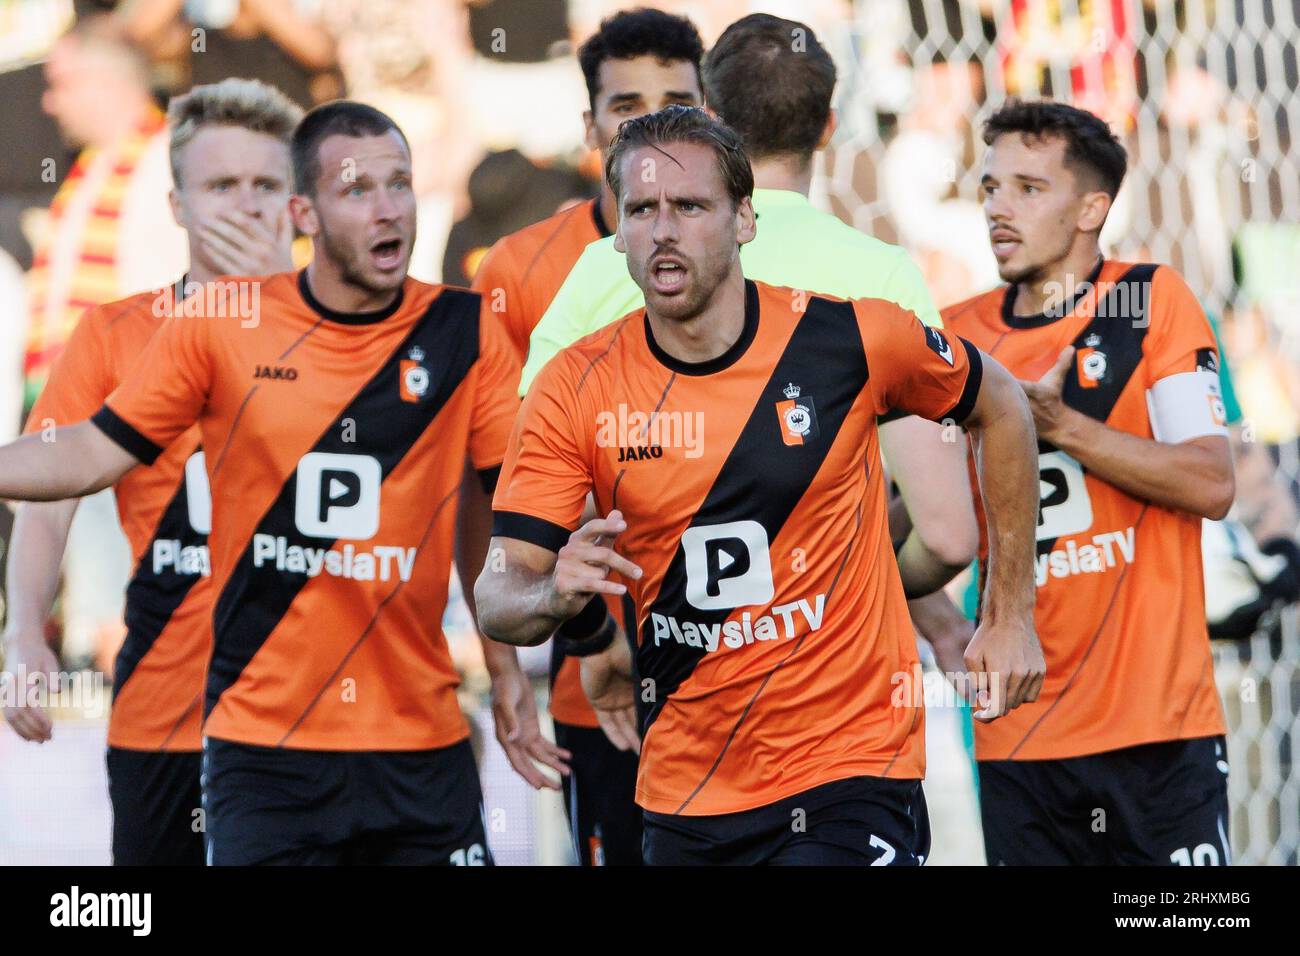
[(336, 407), (783, 122), (230, 165), (638, 61), (728, 434), (1121, 760)]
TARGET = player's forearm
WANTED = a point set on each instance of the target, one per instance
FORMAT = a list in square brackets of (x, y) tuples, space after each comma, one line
[(1186, 477), (514, 604), (473, 535), (941, 623), (923, 572), (68, 465), (928, 462), (36, 544), (1007, 462)]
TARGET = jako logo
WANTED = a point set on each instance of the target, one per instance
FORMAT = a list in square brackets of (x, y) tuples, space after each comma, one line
[(275, 371), (103, 909), (640, 453)]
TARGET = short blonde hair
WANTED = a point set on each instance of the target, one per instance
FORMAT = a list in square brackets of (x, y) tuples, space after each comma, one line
[(249, 104)]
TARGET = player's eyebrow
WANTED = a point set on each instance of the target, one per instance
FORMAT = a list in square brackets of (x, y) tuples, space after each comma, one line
[(617, 98), (1026, 178)]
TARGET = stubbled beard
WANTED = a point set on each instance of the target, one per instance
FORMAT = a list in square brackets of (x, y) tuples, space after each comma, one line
[(348, 262)]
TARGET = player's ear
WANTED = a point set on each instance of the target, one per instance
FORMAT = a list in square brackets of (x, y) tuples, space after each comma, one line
[(832, 122), (592, 136), (303, 213), (174, 200), (1093, 211), (746, 226)]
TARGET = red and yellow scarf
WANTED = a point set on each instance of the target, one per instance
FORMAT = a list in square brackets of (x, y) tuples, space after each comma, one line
[(94, 279)]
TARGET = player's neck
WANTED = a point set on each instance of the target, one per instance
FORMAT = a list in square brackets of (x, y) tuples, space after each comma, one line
[(1049, 288), (711, 333), (337, 295), (783, 172)]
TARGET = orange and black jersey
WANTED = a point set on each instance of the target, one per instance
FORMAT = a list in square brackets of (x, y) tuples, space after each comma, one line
[(1121, 603), (164, 512), (770, 614), (518, 279), (522, 272), (335, 447)]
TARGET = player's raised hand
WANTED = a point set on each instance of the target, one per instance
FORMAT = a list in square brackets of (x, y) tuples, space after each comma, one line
[(240, 244), (1045, 395), (607, 682), (1007, 662), (582, 566)]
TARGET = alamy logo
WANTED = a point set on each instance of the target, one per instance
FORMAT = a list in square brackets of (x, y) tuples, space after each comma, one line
[(727, 565), (338, 496), (74, 908)]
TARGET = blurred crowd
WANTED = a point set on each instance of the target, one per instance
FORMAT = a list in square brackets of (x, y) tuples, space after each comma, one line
[(490, 97)]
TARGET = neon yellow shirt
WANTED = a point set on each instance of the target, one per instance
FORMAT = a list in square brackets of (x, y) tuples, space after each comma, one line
[(796, 245)]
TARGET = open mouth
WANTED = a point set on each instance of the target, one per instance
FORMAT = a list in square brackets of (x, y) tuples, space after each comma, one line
[(387, 253), (668, 276), (1004, 243)]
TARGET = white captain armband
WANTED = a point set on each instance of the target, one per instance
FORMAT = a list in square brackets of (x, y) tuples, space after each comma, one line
[(1186, 406)]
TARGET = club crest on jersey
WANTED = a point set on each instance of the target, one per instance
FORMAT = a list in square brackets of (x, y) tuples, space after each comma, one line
[(413, 376), (1091, 362), (797, 416)]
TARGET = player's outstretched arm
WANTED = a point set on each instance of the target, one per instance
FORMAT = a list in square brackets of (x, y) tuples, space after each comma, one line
[(526, 591), (931, 474), (1005, 650), (36, 544), (1193, 476), (73, 461), (514, 709)]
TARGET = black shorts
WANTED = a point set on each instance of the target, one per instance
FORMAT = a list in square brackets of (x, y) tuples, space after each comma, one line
[(273, 805), (600, 797), (157, 820), (1156, 804), (861, 821)]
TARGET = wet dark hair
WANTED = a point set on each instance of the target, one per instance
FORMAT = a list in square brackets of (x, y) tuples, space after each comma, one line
[(684, 124), (337, 118), (1092, 152), (640, 32)]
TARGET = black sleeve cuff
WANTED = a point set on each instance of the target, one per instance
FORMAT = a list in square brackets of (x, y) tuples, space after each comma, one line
[(970, 392), (586, 622), (488, 478), (892, 415), (538, 531), (117, 428)]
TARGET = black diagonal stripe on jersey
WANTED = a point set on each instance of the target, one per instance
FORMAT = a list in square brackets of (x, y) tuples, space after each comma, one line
[(763, 479), (1122, 332), (253, 600), (152, 597)]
